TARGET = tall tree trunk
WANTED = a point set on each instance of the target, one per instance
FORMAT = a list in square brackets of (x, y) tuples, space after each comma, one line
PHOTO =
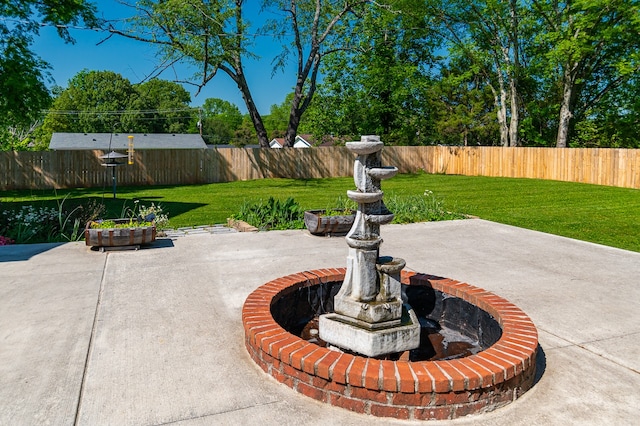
[(515, 116), (500, 100), (566, 112), (294, 121), (513, 75), (256, 118)]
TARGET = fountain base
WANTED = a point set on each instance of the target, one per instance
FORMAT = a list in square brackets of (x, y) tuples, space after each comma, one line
[(502, 371), (357, 336)]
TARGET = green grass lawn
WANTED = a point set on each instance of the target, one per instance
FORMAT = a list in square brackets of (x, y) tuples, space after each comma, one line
[(600, 214)]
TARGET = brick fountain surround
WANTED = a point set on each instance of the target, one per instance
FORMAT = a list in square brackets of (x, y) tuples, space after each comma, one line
[(422, 390), (385, 337)]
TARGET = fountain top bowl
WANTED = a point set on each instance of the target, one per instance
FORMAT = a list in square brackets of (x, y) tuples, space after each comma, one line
[(365, 147)]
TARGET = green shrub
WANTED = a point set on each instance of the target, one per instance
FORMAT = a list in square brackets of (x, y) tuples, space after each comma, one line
[(419, 208), (272, 214)]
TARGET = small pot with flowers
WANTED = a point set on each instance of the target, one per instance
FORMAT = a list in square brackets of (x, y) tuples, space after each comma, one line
[(120, 232), (139, 229)]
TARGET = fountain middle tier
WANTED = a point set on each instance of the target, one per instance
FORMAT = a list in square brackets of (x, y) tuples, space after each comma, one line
[(365, 197)]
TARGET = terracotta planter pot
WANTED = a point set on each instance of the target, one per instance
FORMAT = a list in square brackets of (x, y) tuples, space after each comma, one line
[(318, 223), (119, 237)]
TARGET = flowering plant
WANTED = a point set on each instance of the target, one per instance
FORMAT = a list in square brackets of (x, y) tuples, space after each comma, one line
[(142, 213), (30, 223), (5, 241)]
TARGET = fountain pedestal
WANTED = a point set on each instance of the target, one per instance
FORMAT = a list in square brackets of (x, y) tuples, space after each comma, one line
[(370, 316)]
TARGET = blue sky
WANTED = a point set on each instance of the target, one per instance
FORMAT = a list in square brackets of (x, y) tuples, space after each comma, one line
[(135, 60)]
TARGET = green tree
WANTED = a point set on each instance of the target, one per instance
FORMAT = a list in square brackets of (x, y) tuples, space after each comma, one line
[(214, 36), (160, 106), (491, 36), (94, 101), (105, 102), (220, 120), (463, 107), (380, 85), (587, 49), (245, 134), (278, 119), (23, 92), (614, 122)]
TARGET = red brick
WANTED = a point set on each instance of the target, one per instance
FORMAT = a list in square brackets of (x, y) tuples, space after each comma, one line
[(261, 326), (389, 381), (310, 360), (433, 413), (521, 328), (288, 380), (426, 383), (369, 395), (298, 355), (451, 398), (310, 391), (498, 371), (473, 379), (502, 396), (278, 375), (286, 350), (323, 367), (259, 335), (339, 368), (412, 399), (296, 374), (528, 342), (263, 365), (275, 363), (520, 356), (273, 345), (328, 385), (355, 374), (471, 408), (257, 311), (406, 380), (372, 374), (348, 403), (515, 315), (441, 381), (505, 364), (339, 272), (457, 378), (390, 411), (487, 372)]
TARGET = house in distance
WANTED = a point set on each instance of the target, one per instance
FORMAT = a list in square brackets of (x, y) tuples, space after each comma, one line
[(120, 141)]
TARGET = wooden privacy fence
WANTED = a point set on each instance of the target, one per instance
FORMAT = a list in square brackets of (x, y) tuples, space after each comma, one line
[(74, 169)]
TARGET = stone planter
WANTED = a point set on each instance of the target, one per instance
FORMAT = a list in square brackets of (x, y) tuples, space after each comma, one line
[(119, 237), (319, 223)]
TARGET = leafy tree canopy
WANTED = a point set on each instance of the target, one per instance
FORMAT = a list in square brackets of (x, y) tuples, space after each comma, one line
[(220, 121), (23, 75), (104, 102)]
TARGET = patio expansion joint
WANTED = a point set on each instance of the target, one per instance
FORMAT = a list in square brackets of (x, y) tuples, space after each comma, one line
[(583, 346), (91, 340), (208, 415)]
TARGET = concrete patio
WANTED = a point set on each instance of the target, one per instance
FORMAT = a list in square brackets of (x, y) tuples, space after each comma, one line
[(154, 336)]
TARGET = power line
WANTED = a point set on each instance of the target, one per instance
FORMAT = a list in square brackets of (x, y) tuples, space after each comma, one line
[(121, 112)]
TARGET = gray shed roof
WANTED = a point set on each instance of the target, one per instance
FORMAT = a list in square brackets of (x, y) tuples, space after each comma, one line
[(120, 141)]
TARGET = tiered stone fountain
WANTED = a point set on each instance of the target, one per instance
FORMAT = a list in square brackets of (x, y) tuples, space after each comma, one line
[(350, 337), (369, 316)]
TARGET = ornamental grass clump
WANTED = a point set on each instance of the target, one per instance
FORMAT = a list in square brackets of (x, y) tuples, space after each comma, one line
[(419, 208), (272, 214)]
